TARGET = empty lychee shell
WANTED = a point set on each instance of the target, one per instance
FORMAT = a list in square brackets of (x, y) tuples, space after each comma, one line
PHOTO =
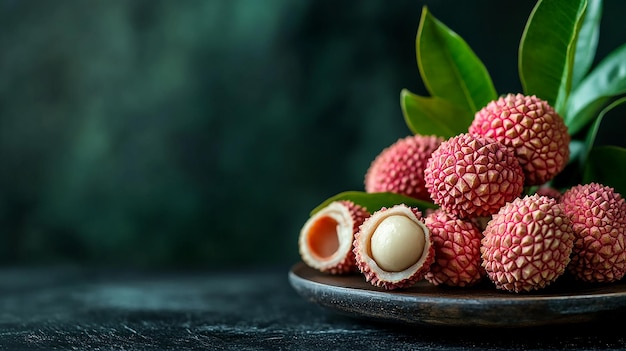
[(325, 241), (457, 250), (527, 244), (399, 168), (473, 176), (598, 216), (394, 248), (532, 128)]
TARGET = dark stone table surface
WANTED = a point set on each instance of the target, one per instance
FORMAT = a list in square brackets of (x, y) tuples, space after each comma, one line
[(73, 308)]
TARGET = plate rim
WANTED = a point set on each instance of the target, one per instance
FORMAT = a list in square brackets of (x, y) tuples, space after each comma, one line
[(557, 309)]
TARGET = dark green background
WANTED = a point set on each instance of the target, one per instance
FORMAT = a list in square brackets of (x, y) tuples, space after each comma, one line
[(198, 133)]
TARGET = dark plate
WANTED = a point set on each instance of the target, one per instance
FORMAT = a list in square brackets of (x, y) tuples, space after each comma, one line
[(562, 302)]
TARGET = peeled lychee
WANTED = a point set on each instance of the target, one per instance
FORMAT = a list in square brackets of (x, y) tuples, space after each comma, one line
[(457, 250), (473, 176), (527, 244), (325, 241), (394, 248), (399, 168), (598, 216), (532, 128)]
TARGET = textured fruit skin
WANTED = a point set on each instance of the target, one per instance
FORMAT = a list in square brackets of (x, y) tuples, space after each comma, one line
[(457, 250), (598, 216), (527, 244), (349, 217), (399, 168), (366, 264), (532, 128), (472, 176)]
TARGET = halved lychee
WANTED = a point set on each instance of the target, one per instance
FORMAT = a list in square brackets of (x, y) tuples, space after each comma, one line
[(393, 247), (527, 244), (473, 176), (325, 241), (399, 168), (598, 216), (457, 250), (532, 128)]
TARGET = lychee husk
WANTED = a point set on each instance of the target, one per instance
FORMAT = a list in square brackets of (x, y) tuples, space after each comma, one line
[(473, 176), (326, 239), (404, 252), (532, 128), (598, 216), (399, 168), (527, 244), (457, 250)]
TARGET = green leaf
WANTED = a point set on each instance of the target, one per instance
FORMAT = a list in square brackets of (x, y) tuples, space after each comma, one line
[(449, 68), (433, 115), (593, 131), (577, 150), (547, 47), (375, 201), (607, 165), (587, 41), (604, 82)]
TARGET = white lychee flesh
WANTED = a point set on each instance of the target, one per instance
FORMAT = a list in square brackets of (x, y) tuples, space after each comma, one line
[(397, 243), (393, 248)]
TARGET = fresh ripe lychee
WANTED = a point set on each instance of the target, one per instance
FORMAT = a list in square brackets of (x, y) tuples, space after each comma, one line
[(457, 250), (325, 241), (527, 244), (473, 176), (532, 128), (598, 216), (399, 168), (394, 247)]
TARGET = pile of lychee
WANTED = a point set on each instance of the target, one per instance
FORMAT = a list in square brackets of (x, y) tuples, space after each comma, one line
[(487, 224)]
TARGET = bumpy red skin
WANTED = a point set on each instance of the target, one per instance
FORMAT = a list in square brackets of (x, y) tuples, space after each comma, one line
[(598, 216), (527, 244), (371, 273), (347, 264), (359, 214), (457, 250), (472, 176), (399, 168), (530, 127)]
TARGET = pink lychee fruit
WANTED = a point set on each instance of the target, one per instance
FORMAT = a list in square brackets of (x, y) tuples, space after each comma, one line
[(326, 239), (473, 176), (532, 128), (399, 168), (527, 244), (457, 250), (394, 248), (598, 215)]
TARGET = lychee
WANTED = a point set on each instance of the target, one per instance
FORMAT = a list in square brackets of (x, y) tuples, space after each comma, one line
[(527, 244), (457, 250), (598, 216), (325, 241), (393, 248), (399, 168), (532, 128), (473, 176)]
